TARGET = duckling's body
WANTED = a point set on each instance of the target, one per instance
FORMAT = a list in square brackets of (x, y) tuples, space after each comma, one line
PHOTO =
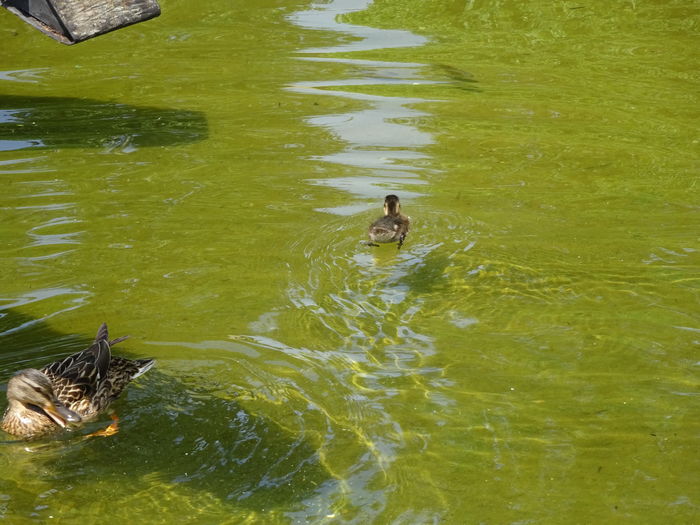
[(73, 389), (393, 226)]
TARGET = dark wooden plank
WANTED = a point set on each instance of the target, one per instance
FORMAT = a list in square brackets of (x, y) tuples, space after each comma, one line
[(71, 21), (41, 10), (88, 18)]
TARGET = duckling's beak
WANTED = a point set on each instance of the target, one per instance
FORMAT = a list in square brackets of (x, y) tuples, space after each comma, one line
[(60, 414)]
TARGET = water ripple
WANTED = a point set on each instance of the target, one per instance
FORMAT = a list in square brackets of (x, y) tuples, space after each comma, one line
[(381, 139)]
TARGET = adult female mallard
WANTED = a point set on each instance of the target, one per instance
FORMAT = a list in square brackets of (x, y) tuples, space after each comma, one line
[(68, 391), (393, 226)]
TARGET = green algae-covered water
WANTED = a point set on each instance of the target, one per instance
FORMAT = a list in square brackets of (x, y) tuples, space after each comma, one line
[(203, 182)]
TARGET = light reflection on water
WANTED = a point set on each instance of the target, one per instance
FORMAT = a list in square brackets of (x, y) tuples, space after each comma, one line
[(325, 17), (48, 209), (377, 138), (359, 304), (23, 75)]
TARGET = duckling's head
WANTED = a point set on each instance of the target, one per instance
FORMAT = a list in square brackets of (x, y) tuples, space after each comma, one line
[(391, 205), (34, 391)]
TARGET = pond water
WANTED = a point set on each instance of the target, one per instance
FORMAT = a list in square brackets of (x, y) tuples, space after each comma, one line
[(204, 181)]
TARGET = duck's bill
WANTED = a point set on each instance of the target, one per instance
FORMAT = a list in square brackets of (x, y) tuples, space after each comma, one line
[(61, 415)]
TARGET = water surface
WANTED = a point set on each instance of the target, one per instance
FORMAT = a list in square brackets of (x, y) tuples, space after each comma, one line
[(203, 182)]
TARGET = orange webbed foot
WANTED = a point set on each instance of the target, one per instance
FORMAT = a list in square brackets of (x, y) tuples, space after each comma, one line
[(112, 429)]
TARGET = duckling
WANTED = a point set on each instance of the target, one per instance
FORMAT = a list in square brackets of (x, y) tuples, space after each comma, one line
[(71, 390), (392, 227)]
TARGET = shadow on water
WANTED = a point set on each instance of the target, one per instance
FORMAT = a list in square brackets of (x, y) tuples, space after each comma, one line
[(26, 341), (66, 122), (176, 440), (428, 274), (181, 438)]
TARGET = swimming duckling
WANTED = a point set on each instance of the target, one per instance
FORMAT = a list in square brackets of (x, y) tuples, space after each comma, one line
[(392, 227), (67, 391)]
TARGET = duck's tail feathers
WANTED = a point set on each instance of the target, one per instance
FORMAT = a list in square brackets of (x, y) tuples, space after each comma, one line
[(102, 333), (144, 366), (118, 340)]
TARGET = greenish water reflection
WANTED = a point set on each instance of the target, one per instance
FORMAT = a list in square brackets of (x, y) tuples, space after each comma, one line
[(529, 355)]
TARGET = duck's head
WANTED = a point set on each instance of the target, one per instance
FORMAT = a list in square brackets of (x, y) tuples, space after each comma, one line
[(34, 391), (391, 205)]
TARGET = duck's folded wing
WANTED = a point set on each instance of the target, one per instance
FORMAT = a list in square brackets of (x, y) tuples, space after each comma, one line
[(78, 376)]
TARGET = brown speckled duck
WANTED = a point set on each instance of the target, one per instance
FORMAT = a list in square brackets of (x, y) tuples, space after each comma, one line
[(68, 391), (393, 226)]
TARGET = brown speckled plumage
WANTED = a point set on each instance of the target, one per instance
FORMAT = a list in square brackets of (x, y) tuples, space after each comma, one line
[(75, 388), (393, 226)]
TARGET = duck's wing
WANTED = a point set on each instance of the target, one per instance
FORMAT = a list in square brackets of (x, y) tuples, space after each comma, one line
[(77, 378), (121, 372), (94, 360)]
